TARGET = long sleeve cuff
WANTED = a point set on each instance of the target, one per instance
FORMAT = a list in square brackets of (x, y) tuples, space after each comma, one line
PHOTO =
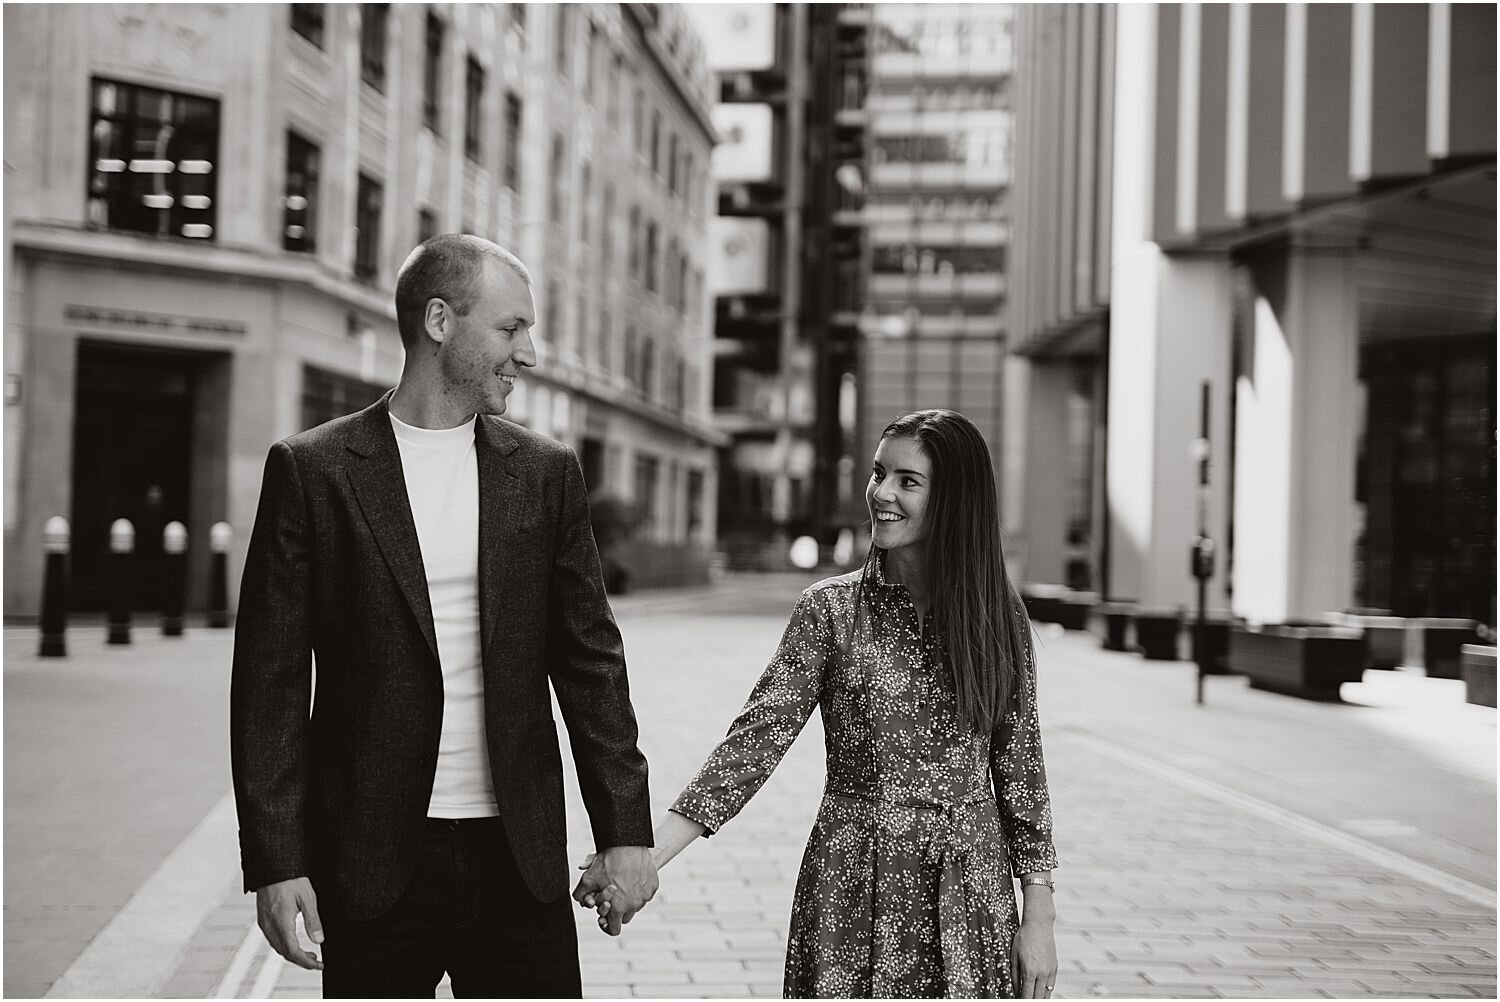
[(703, 809), (1032, 858)]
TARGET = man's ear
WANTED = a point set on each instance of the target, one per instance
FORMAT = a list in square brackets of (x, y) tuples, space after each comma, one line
[(436, 318)]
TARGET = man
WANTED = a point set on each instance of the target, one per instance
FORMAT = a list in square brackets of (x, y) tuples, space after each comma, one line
[(438, 564)]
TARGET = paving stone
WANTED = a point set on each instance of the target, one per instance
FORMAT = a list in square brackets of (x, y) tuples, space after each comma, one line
[(1163, 892)]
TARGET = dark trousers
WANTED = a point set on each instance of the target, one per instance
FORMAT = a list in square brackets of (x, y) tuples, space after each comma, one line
[(467, 913)]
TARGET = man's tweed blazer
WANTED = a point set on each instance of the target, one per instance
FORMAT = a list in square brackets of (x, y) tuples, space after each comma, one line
[(332, 782)]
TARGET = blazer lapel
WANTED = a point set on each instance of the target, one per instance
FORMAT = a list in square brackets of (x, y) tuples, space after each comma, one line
[(380, 487), (499, 500)]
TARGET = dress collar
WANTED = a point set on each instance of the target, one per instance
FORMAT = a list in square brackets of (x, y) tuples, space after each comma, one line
[(877, 566)]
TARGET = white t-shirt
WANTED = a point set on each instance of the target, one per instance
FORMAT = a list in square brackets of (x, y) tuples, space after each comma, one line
[(442, 484)]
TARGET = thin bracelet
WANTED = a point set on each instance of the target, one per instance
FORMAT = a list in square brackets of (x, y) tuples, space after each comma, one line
[(1033, 881)]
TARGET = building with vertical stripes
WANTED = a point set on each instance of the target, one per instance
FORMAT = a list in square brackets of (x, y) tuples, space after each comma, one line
[(1286, 212), (207, 205), (936, 216)]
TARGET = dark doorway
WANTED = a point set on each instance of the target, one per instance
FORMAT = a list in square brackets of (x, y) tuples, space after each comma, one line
[(132, 449), (592, 460), (1427, 478)]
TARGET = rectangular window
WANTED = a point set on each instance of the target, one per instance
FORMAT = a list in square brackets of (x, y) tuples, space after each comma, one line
[(427, 224), (372, 43), (327, 395), (564, 37), (602, 349), (651, 257), (607, 227), (656, 143), (669, 272), (591, 58), (153, 156), (614, 86), (648, 367), (633, 248), (432, 75), (513, 142), (585, 185), (368, 204), (582, 342), (672, 164), (473, 103), (937, 259), (555, 192), (695, 501), (638, 123), (647, 470), (300, 201), (307, 21), (554, 329)]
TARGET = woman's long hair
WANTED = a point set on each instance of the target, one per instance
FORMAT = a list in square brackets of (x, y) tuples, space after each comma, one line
[(979, 620)]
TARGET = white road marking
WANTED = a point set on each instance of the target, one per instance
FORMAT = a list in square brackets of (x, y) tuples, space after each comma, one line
[(138, 949), (234, 978), (1380, 827), (270, 973), (1379, 855)]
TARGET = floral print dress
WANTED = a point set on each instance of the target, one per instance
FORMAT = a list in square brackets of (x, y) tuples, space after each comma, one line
[(906, 886)]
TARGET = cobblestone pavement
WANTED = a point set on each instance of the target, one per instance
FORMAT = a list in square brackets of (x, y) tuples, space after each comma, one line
[(1258, 846)]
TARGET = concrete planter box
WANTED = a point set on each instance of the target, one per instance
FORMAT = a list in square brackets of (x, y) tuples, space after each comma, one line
[(1156, 634), (1479, 674), (1216, 638), (1043, 602), (1442, 640), (1116, 617), (634, 564), (1073, 609), (1385, 637), (1307, 661)]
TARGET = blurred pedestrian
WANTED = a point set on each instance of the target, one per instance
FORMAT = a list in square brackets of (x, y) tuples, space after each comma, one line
[(936, 791), (437, 562)]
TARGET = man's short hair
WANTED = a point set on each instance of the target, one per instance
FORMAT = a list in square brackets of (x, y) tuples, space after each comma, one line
[(449, 267)]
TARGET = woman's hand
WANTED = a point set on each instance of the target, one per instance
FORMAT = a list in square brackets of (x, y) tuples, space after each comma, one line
[(1033, 958)]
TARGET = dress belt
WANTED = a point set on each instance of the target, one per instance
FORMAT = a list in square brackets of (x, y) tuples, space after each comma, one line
[(949, 850)]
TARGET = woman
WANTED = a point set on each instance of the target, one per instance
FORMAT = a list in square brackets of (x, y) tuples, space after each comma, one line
[(936, 790)]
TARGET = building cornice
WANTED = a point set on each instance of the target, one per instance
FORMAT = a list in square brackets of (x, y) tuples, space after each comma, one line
[(652, 414), (126, 251), (645, 25), (1081, 335)]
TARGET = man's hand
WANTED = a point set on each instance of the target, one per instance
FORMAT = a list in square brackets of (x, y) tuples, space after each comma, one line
[(617, 883), (276, 908)]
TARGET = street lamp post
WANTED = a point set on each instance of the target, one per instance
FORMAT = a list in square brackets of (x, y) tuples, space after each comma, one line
[(1202, 555)]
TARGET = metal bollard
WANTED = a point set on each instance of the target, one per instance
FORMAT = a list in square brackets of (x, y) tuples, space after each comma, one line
[(219, 539), (121, 585), (55, 540), (174, 540)]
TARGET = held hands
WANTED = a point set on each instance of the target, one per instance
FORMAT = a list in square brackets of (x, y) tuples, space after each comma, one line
[(276, 908), (617, 883)]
